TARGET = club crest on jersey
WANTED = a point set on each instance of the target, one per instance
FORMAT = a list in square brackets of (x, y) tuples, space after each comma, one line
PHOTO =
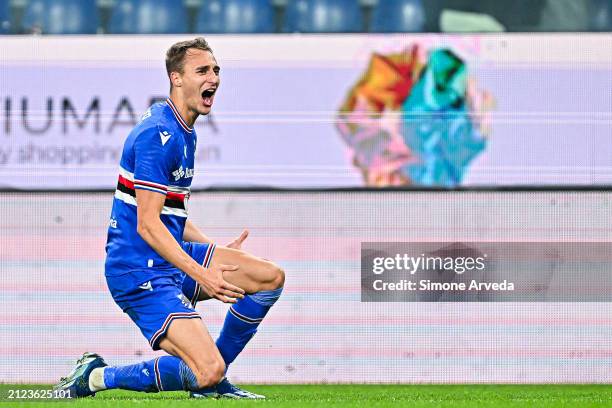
[(180, 172)]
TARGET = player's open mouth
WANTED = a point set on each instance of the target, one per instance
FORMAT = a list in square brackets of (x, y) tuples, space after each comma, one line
[(208, 96)]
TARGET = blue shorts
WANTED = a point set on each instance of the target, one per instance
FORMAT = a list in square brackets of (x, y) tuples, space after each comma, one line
[(202, 254), (153, 298)]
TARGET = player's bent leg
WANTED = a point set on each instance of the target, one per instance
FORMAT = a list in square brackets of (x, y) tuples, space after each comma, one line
[(189, 340), (194, 364), (261, 279), (159, 309), (263, 282), (253, 275), (207, 369)]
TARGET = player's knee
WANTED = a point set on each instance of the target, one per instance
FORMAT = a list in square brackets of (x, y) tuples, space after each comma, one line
[(274, 277), (210, 374), (217, 371), (279, 277)]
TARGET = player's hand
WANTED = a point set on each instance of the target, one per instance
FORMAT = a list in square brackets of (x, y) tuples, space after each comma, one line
[(237, 243), (216, 287)]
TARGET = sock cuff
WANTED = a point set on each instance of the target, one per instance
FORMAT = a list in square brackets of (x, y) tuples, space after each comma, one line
[(266, 297), (109, 377)]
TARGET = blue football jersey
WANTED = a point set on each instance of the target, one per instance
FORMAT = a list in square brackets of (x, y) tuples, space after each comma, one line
[(158, 156)]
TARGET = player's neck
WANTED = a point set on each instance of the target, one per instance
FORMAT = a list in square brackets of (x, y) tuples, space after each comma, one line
[(187, 114)]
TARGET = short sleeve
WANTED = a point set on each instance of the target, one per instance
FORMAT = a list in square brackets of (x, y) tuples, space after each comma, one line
[(154, 158)]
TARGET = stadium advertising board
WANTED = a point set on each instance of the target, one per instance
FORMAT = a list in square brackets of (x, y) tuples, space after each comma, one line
[(299, 111)]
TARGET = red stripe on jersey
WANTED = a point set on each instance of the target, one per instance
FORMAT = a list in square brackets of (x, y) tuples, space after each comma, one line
[(176, 196), (126, 182)]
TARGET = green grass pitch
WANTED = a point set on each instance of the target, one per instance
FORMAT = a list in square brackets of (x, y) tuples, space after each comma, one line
[(456, 396)]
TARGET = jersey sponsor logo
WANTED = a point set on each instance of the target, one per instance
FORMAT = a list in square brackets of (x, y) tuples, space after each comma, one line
[(146, 286), (165, 136), (178, 173), (181, 172)]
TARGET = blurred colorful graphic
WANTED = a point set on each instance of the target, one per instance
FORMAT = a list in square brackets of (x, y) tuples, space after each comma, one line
[(415, 119)]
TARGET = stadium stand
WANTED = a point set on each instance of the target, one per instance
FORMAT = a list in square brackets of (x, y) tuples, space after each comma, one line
[(235, 16), (61, 17), (323, 16), (148, 17), (5, 17), (291, 16), (601, 15), (398, 16)]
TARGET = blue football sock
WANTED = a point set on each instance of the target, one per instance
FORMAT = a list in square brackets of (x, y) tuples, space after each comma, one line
[(242, 321), (166, 373)]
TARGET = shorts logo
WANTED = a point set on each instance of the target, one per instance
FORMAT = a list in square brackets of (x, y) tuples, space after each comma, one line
[(146, 372), (146, 286), (185, 301)]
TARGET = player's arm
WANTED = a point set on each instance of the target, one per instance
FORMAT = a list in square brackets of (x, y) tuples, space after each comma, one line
[(155, 233), (193, 234)]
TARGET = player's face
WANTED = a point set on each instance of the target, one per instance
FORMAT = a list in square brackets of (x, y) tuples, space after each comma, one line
[(200, 80)]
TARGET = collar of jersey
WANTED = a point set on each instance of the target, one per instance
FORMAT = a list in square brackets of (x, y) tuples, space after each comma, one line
[(178, 116)]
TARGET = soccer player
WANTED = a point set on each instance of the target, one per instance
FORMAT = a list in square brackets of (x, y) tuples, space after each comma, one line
[(159, 264)]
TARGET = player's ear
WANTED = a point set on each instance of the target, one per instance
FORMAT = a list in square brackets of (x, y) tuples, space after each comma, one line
[(175, 77)]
